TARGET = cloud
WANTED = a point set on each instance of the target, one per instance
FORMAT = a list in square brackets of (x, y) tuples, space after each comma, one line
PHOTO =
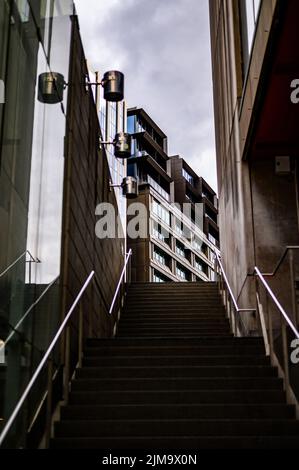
[(163, 47)]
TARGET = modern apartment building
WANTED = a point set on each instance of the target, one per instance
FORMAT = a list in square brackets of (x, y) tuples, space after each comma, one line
[(255, 71), (189, 188), (176, 248)]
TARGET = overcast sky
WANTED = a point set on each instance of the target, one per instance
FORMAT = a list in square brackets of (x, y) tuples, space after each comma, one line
[(163, 48)]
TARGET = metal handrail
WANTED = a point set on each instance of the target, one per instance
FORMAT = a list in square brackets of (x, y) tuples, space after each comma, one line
[(27, 252), (47, 356), (15, 328), (238, 310), (281, 260), (268, 333), (44, 360), (277, 303), (128, 256)]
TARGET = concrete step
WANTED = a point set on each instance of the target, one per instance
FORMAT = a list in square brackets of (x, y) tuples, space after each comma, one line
[(181, 442), (185, 323), (176, 371), (169, 312), (176, 311), (172, 302), (182, 427), (155, 342), (175, 350), (172, 334), (186, 360), (175, 411), (177, 397), (178, 383), (140, 320), (172, 285)]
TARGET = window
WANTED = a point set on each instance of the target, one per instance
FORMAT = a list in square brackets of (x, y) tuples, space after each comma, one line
[(208, 196), (212, 239), (161, 212), (180, 249), (179, 229), (158, 188), (182, 273), (159, 256), (211, 215), (190, 197), (249, 16), (188, 177), (139, 126), (131, 124), (159, 278), (160, 234), (206, 251), (201, 266)]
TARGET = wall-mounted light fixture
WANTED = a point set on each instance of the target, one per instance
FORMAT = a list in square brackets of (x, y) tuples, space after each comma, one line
[(129, 186), (51, 86), (113, 83), (122, 145)]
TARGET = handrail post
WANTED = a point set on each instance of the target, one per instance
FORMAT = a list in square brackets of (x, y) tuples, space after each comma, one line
[(227, 304), (270, 329), (293, 289), (67, 357), (285, 359), (235, 315), (49, 402), (120, 282), (80, 336), (30, 271)]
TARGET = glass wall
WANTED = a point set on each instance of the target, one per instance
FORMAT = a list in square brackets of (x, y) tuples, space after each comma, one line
[(249, 16), (34, 39), (113, 119)]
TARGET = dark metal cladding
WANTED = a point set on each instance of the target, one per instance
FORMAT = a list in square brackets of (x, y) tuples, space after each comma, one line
[(114, 86), (51, 87), (122, 147)]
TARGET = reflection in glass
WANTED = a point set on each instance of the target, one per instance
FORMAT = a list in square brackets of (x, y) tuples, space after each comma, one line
[(31, 181), (249, 16)]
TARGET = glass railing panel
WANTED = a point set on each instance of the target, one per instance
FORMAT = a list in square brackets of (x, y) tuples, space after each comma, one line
[(25, 344)]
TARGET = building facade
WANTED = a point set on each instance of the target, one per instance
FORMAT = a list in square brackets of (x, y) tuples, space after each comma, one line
[(175, 248), (255, 67), (189, 188)]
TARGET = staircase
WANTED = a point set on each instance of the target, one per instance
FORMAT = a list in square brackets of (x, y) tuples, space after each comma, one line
[(176, 378)]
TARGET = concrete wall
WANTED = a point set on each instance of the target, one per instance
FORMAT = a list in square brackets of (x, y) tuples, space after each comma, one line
[(258, 214), (86, 185)]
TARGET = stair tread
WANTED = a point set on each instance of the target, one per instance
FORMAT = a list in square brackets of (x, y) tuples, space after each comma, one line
[(181, 442)]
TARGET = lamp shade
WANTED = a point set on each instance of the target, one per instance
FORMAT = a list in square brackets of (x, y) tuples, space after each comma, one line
[(51, 87), (113, 83), (122, 145), (130, 187)]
